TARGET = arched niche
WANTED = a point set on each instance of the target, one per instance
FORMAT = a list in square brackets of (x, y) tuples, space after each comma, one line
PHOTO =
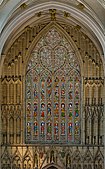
[(52, 166)]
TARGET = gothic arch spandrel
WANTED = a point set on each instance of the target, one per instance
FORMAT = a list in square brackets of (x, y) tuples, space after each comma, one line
[(53, 91)]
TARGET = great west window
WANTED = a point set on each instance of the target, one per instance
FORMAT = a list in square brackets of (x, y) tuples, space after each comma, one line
[(53, 84)]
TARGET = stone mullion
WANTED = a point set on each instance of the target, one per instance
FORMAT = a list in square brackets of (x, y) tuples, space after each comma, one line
[(19, 94), (20, 65), (9, 70), (96, 95), (27, 38), (93, 69), (52, 107), (82, 120), (73, 107), (16, 48), (96, 130), (15, 124), (16, 67), (90, 114), (100, 69), (23, 46), (12, 51), (34, 32), (23, 125), (18, 134), (8, 94), (86, 66), (12, 98), (66, 107), (59, 118), (91, 126), (98, 111), (88, 124), (79, 41), (90, 67), (101, 132), (8, 124), (12, 69), (82, 44), (19, 45), (90, 94), (14, 92)]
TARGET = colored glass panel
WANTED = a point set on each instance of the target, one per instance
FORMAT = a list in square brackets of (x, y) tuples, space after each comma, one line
[(53, 92)]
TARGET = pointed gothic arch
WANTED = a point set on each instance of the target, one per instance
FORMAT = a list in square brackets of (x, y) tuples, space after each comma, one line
[(52, 166), (53, 109), (63, 32)]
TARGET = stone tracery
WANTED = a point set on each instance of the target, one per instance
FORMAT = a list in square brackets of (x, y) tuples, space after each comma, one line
[(55, 69)]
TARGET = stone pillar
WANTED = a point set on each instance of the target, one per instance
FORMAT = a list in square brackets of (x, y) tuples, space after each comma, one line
[(23, 110)]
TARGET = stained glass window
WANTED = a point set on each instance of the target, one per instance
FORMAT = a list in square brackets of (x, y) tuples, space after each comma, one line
[(53, 87)]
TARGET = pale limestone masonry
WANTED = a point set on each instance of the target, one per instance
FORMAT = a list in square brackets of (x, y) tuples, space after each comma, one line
[(89, 154)]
